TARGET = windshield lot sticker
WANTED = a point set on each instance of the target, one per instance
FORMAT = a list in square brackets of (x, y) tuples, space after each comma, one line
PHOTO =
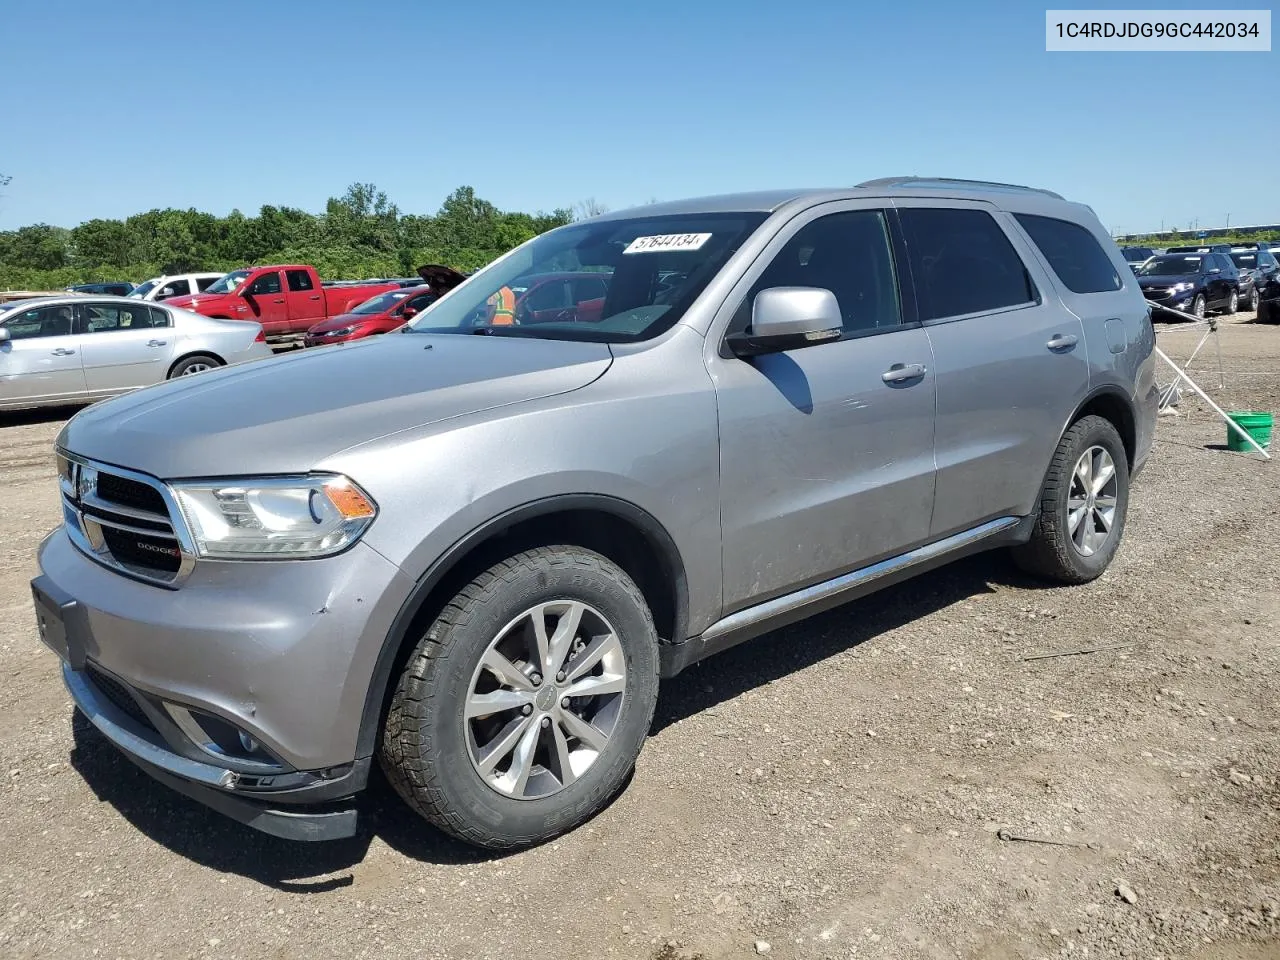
[(667, 241)]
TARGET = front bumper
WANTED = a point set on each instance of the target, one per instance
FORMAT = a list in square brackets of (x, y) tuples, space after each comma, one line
[(216, 787), (281, 653)]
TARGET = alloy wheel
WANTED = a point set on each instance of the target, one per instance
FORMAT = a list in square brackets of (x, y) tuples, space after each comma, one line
[(1092, 501), (198, 367), (1198, 307), (1234, 305), (544, 699)]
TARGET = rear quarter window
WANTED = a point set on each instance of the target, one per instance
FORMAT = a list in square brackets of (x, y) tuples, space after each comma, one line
[(1073, 252)]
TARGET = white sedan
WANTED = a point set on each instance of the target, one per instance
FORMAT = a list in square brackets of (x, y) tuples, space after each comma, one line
[(78, 349)]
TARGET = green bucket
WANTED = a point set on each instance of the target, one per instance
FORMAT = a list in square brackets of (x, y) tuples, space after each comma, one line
[(1257, 425)]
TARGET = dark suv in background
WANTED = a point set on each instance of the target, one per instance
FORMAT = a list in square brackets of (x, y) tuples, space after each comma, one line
[(1256, 267), (1191, 282), (1136, 256)]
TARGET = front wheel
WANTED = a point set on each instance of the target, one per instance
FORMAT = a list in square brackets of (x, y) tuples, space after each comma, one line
[(1253, 300), (522, 709), (1083, 506), (1198, 305)]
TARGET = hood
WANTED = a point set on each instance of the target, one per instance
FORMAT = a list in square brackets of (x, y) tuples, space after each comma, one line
[(345, 320), (185, 301), (287, 414), (1167, 281)]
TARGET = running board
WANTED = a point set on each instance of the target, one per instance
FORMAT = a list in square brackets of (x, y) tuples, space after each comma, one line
[(772, 614)]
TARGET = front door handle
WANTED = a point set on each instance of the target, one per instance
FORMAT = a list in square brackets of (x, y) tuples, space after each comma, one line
[(316, 297), (155, 343), (1062, 341), (278, 301), (901, 372), (63, 352)]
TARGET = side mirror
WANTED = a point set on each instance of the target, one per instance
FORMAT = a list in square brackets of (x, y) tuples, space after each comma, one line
[(408, 313), (787, 318), (4, 334), (1215, 269)]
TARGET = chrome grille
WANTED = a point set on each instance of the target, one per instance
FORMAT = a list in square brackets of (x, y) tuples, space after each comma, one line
[(122, 520)]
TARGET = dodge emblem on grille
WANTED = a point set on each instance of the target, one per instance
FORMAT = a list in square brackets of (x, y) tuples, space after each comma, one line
[(154, 548)]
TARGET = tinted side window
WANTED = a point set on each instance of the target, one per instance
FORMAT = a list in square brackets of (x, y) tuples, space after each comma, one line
[(267, 283), (846, 253), (1073, 252), (109, 318), (963, 263), (549, 296), (299, 280), (589, 288), (174, 288), (45, 322), (1266, 260), (422, 301), (159, 318), (204, 283)]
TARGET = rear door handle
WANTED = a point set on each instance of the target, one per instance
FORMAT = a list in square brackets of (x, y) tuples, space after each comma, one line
[(1062, 341), (155, 343), (63, 352), (901, 372)]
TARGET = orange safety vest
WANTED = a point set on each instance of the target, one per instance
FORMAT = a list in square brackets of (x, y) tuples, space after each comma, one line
[(504, 307)]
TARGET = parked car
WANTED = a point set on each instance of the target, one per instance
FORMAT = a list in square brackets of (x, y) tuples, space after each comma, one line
[(78, 349), (1136, 256), (469, 552), (286, 299), (381, 313), (1269, 299), (178, 285), (1259, 266), (1193, 283), (1202, 248), (115, 289), (1255, 245)]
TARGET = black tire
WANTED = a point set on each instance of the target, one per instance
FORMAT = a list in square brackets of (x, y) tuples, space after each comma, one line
[(1254, 297), (1051, 553), (1267, 312), (1199, 306), (196, 363), (424, 749), (1233, 303)]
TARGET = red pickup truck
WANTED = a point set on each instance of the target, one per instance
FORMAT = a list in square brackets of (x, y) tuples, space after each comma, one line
[(286, 299)]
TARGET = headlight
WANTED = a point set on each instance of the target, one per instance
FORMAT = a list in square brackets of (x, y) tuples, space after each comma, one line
[(246, 519), (345, 331), (1179, 287)]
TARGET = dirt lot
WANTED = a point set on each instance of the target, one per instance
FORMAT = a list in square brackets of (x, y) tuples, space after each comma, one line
[(832, 790)]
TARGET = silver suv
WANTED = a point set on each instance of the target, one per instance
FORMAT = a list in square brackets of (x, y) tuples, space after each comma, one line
[(471, 549)]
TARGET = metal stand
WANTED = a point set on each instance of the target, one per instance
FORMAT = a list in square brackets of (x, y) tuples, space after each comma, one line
[(1168, 394)]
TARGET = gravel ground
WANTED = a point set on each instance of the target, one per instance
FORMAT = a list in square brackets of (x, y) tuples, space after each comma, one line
[(835, 789)]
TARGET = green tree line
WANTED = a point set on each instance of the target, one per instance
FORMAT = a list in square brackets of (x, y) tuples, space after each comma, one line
[(360, 234)]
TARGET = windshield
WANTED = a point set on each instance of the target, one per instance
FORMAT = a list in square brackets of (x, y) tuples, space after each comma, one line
[(1246, 260), (382, 302), (1170, 267), (229, 282), (141, 291), (617, 281)]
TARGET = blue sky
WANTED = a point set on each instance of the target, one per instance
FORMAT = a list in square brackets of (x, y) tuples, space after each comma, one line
[(112, 109)]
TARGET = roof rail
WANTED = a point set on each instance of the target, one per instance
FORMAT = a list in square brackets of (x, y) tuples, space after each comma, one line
[(937, 182)]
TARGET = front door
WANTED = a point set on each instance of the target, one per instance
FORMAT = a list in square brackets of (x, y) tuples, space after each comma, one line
[(40, 361), (1011, 362), (124, 346), (267, 301), (826, 452)]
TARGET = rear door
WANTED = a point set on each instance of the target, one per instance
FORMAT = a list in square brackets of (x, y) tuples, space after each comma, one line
[(124, 346), (1010, 362), (267, 300), (305, 302), (40, 362)]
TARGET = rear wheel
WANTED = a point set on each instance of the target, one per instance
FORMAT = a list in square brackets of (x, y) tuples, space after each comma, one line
[(1253, 300), (197, 363), (521, 711), (1082, 506), (1233, 304)]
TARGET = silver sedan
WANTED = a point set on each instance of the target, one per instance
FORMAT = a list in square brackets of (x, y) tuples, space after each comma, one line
[(78, 349)]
